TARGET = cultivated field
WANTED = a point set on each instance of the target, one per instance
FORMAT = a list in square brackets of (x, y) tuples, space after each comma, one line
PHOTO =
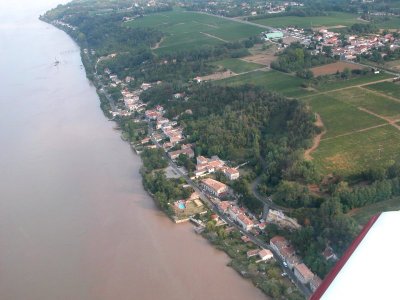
[(339, 66), (237, 65), (189, 30), (362, 129), (339, 117), (356, 152), (379, 104), (263, 59), (391, 23), (334, 19), (273, 80), (387, 88)]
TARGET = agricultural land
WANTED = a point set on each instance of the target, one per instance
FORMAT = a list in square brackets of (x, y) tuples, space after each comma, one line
[(190, 30), (333, 19)]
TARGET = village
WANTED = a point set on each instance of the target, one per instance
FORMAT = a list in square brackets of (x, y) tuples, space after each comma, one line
[(347, 47), (211, 194)]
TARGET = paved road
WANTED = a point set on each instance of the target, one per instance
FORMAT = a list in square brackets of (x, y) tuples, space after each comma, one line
[(262, 244)]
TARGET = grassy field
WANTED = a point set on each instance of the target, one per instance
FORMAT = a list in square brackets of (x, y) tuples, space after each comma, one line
[(362, 215), (392, 23), (387, 88), (237, 65), (360, 97), (356, 152), (273, 80), (334, 19), (339, 117), (189, 30), (333, 85)]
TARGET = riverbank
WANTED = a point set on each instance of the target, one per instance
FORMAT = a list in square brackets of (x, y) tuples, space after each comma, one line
[(243, 265)]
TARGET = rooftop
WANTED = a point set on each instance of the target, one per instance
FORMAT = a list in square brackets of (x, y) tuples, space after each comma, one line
[(306, 273), (215, 185)]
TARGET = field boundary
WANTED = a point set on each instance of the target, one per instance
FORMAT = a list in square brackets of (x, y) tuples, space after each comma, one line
[(388, 120), (380, 93)]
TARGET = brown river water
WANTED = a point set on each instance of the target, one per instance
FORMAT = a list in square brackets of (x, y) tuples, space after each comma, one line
[(75, 222)]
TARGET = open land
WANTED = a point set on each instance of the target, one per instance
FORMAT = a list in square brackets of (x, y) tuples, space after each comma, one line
[(237, 65), (273, 80), (189, 30), (334, 19), (339, 66)]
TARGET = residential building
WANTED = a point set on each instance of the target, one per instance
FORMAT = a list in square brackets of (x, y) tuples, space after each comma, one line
[(214, 187), (175, 154), (315, 283), (252, 253), (245, 222), (265, 254), (224, 206), (303, 273), (231, 173)]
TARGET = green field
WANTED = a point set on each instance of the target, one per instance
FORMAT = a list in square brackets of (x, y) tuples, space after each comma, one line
[(356, 152), (189, 30), (272, 80), (392, 23), (362, 215), (387, 88), (333, 85), (359, 97), (334, 19), (237, 65), (340, 117)]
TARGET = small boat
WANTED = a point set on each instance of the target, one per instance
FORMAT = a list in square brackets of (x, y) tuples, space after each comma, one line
[(56, 62)]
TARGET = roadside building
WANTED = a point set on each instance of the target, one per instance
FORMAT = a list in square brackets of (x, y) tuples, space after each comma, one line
[(252, 253), (265, 254), (214, 187), (315, 283), (303, 273), (245, 222), (231, 173), (274, 35), (175, 154), (224, 206)]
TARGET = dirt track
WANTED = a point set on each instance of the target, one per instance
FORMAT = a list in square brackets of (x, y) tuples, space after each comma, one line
[(317, 139)]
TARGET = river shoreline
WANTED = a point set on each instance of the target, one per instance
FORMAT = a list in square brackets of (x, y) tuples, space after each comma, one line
[(237, 262)]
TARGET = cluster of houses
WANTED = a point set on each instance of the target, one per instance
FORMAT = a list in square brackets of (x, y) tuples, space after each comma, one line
[(206, 166), (347, 50), (287, 253), (239, 215), (354, 45)]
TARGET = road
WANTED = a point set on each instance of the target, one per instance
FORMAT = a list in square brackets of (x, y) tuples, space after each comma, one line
[(266, 200), (262, 244)]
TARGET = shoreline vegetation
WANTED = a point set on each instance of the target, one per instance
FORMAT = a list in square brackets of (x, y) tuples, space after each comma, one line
[(247, 134)]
